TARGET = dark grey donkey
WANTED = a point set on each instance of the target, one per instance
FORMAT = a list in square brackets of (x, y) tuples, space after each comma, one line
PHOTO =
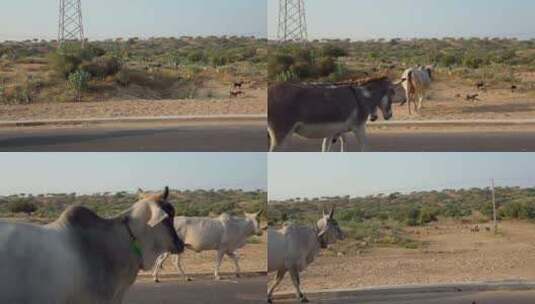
[(319, 111)]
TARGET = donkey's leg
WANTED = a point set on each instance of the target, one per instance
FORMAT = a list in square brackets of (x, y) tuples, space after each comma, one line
[(177, 261), (158, 266), (362, 138), (235, 257), (294, 274), (278, 136), (278, 280), (218, 260)]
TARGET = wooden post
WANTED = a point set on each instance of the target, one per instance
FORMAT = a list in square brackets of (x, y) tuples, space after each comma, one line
[(495, 223)]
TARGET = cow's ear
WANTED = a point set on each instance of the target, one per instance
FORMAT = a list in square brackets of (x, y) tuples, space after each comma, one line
[(331, 214), (140, 193), (157, 214), (259, 213), (165, 195)]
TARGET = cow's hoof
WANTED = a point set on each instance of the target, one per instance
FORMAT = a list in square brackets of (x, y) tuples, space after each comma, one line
[(217, 278), (270, 301), (304, 300), (238, 275), (156, 281), (188, 279)]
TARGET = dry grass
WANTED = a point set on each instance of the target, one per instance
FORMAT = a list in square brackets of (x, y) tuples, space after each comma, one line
[(453, 254)]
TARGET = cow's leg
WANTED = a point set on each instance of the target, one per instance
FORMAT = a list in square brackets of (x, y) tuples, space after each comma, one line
[(325, 146), (294, 274), (362, 138), (235, 257), (278, 280), (159, 266), (177, 261), (218, 260)]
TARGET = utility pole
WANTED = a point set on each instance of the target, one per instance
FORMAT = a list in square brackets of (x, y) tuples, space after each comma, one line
[(292, 21), (495, 223), (70, 25)]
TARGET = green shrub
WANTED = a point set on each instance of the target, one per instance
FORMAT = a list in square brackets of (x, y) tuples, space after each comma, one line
[(78, 82), (22, 206), (102, 67)]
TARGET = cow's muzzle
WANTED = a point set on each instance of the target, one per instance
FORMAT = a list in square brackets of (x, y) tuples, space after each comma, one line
[(374, 118)]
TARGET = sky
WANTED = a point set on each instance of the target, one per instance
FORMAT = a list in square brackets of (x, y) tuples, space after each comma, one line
[(373, 19), (315, 175), (110, 172), (27, 19)]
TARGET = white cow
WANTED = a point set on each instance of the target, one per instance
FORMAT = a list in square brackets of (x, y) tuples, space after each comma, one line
[(293, 248), (82, 258), (225, 234), (416, 82)]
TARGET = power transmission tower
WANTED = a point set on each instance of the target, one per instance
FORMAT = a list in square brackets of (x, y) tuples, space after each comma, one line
[(292, 21), (71, 27)]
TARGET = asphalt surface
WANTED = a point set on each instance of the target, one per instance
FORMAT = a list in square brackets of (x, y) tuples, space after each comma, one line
[(241, 291), (240, 137), (507, 141), (488, 297)]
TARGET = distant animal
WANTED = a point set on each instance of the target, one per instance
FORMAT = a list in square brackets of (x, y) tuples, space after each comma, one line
[(475, 228), (83, 258), (238, 84), (472, 97), (416, 82), (480, 85), (294, 247), (513, 88), (487, 228), (224, 234), (457, 95), (326, 111), (234, 93)]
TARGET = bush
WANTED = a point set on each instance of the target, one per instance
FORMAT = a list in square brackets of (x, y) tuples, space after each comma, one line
[(78, 83), (102, 67), (64, 64), (326, 66), (22, 206), (126, 77), (330, 50)]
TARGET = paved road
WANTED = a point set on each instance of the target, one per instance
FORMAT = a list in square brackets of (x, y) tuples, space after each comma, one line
[(490, 297), (241, 137), (243, 291), (432, 142)]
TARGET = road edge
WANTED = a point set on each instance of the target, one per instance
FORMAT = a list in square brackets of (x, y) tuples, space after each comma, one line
[(421, 289), (96, 121)]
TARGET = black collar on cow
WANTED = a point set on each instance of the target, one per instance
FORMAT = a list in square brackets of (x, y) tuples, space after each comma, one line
[(134, 243)]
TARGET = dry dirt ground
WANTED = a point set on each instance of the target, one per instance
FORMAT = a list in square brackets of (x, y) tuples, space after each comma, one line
[(253, 258), (254, 101), (447, 100), (453, 254)]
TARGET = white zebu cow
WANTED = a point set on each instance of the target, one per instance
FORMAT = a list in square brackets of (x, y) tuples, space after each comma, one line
[(416, 82), (225, 234), (82, 258), (293, 248)]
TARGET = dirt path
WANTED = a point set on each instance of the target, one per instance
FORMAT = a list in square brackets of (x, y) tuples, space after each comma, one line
[(253, 102), (453, 255)]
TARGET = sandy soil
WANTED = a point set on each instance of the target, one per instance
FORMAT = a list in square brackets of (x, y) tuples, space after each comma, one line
[(453, 254), (495, 103), (253, 102), (253, 258)]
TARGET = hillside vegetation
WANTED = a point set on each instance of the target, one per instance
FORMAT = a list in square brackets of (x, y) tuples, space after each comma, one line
[(158, 68), (495, 60), (46, 208), (383, 219)]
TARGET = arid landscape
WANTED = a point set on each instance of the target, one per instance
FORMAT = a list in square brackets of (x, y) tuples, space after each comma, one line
[(43, 209), (132, 77), (420, 238), (504, 67)]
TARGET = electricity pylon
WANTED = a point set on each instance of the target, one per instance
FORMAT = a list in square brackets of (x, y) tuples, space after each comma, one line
[(71, 27), (292, 21)]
